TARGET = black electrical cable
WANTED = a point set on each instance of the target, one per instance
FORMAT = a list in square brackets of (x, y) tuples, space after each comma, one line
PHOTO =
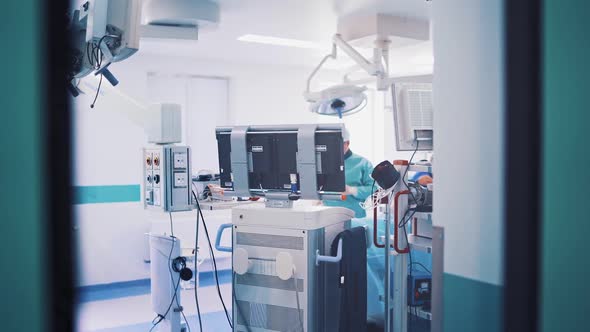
[(196, 250), (97, 92), (407, 168), (96, 64), (229, 321), (98, 52), (214, 266), (424, 267), (188, 326), (403, 223), (90, 59), (297, 299), (172, 276), (238, 308), (161, 317), (155, 324)]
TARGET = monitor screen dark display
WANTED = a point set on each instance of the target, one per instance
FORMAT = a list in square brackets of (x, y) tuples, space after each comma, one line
[(272, 160)]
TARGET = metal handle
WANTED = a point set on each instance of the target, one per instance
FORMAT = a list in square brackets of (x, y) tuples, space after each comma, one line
[(218, 245), (396, 224), (329, 259)]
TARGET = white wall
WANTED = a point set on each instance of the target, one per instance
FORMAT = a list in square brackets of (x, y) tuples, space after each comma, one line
[(204, 106), (468, 117), (107, 151)]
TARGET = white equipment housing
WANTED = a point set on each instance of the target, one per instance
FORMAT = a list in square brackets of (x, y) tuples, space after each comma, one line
[(269, 294), (179, 19), (164, 284), (115, 16), (164, 124), (102, 32)]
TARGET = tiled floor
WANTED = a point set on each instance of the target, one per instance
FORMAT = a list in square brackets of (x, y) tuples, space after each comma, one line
[(128, 308)]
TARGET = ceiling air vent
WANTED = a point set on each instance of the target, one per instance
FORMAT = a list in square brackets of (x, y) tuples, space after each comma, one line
[(178, 19)]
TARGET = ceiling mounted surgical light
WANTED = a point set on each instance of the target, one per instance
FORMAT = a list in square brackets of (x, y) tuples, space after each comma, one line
[(381, 31), (346, 99), (338, 100)]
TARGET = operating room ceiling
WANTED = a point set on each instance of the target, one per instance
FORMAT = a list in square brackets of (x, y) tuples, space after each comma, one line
[(306, 20)]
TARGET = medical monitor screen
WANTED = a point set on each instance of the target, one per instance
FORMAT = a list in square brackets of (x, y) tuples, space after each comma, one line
[(272, 160), (413, 116), (330, 161)]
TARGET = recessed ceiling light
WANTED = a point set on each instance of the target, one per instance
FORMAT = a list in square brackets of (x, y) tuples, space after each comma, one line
[(279, 41)]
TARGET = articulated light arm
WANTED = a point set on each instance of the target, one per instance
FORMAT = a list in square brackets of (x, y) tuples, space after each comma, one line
[(346, 98), (315, 71), (371, 68), (375, 68)]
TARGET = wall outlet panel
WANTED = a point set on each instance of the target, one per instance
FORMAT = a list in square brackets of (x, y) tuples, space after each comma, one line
[(167, 178)]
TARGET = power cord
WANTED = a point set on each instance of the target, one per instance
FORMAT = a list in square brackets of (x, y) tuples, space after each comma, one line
[(422, 266), (238, 307), (96, 61), (175, 297), (298, 305), (196, 250), (404, 223), (216, 274)]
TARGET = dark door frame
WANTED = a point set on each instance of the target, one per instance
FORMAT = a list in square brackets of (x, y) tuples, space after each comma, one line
[(523, 167), (57, 168)]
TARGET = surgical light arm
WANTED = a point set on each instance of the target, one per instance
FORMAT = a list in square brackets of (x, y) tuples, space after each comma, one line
[(375, 68), (372, 68)]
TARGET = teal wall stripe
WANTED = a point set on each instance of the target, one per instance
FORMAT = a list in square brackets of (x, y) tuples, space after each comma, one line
[(107, 194), (471, 305)]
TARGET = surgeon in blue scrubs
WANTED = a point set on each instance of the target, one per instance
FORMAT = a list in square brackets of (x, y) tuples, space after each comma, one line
[(359, 184)]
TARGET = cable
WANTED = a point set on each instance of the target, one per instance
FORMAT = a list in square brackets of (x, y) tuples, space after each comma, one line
[(97, 92), (424, 267), (185, 320), (90, 60), (214, 266), (407, 168), (96, 62), (298, 305), (172, 276), (238, 307), (154, 325), (196, 270), (162, 317), (171, 225), (175, 296), (403, 223)]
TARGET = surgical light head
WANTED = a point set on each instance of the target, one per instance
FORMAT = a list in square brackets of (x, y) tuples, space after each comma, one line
[(338, 100)]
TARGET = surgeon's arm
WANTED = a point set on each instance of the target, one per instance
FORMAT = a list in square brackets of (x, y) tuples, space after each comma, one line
[(364, 190)]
